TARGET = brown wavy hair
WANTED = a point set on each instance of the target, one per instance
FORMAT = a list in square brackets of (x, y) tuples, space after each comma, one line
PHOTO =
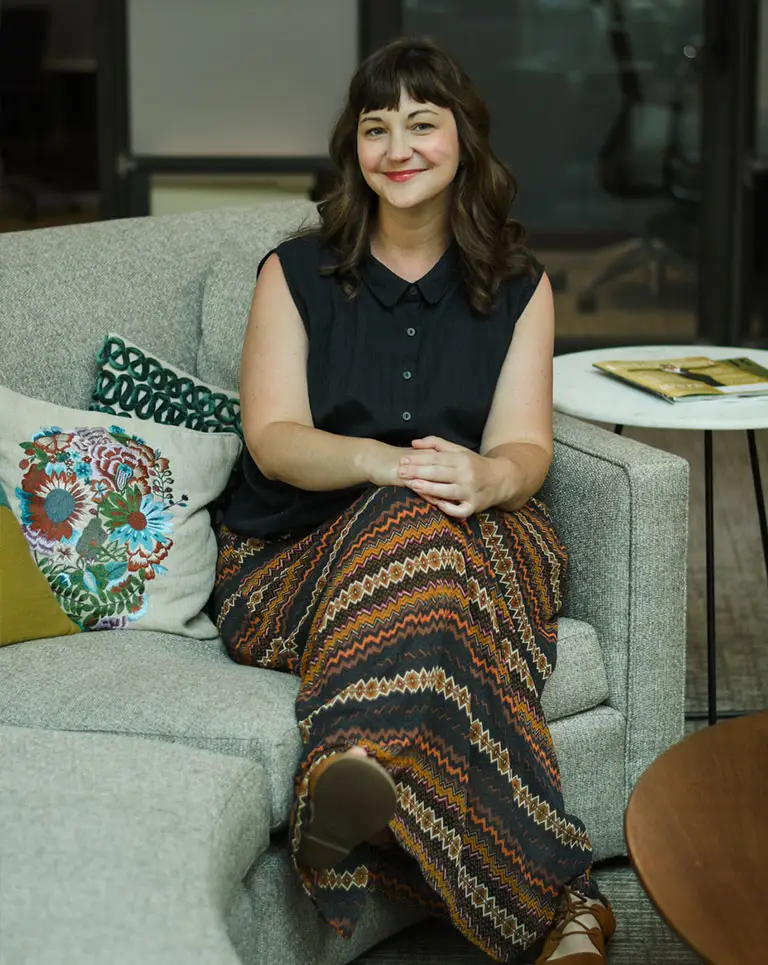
[(491, 243)]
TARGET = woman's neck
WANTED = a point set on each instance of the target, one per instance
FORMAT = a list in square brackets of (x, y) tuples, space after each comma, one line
[(411, 234)]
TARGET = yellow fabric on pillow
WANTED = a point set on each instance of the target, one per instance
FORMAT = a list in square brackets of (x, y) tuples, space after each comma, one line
[(28, 608)]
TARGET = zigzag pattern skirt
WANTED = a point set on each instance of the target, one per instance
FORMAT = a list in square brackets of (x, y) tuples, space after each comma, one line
[(427, 640)]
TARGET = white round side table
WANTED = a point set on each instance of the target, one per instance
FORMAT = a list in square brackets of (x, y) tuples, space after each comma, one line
[(585, 392)]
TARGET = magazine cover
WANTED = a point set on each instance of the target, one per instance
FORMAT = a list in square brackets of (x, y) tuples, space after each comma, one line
[(687, 379)]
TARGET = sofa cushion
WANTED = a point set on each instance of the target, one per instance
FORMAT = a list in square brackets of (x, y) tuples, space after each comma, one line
[(67, 287), (226, 306), (117, 522), (157, 685), (121, 850), (590, 752), (132, 382), (579, 681), (171, 688)]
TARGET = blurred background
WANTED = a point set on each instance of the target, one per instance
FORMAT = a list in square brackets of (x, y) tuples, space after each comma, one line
[(637, 129)]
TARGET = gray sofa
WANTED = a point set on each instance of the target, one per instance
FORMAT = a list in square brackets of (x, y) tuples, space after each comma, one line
[(145, 779)]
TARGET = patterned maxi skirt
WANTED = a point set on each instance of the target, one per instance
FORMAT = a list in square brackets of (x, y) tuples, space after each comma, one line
[(426, 640)]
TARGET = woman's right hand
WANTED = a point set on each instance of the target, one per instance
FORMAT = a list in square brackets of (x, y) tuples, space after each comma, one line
[(381, 463)]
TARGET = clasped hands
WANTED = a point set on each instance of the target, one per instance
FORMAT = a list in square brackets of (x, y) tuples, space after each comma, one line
[(455, 479)]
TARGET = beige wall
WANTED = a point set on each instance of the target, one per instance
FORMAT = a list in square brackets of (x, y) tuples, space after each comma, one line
[(238, 77), (175, 194)]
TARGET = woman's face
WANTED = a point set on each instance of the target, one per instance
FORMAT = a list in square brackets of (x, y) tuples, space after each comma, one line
[(408, 156)]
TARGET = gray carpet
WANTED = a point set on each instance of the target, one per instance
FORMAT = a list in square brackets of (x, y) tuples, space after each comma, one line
[(642, 937)]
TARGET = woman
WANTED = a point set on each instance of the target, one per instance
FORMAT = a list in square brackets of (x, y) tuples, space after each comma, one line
[(385, 543)]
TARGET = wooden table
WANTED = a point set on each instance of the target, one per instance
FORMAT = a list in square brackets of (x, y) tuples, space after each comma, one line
[(697, 834)]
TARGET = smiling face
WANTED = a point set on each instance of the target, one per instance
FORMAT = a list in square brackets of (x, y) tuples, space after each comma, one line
[(408, 156)]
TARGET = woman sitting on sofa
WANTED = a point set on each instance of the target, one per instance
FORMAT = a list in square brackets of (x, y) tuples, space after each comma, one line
[(385, 543)]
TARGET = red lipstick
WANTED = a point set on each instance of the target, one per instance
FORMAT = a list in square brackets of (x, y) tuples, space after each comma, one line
[(403, 175)]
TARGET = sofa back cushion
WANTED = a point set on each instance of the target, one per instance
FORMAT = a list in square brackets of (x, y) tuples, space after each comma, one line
[(227, 301), (226, 309), (64, 288)]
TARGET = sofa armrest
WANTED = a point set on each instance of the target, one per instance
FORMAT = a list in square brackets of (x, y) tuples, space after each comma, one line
[(621, 508)]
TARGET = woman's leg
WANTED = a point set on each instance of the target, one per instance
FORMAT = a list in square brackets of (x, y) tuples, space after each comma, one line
[(429, 647)]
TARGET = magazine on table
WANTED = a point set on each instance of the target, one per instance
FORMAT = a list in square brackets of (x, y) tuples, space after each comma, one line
[(691, 379)]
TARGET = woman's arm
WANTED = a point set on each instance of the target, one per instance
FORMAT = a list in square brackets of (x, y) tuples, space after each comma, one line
[(276, 414), (518, 432)]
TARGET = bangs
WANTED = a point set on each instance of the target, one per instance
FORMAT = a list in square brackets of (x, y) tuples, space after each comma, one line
[(380, 87)]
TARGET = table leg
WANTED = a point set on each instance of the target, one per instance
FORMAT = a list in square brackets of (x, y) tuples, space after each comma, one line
[(710, 546), (712, 714), (759, 498)]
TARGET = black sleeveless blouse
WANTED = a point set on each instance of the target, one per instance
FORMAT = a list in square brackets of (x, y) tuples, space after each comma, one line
[(397, 362)]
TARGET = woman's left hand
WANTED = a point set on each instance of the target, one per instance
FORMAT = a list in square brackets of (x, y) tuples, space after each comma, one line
[(457, 480)]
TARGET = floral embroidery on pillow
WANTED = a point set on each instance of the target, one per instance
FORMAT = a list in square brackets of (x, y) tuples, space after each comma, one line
[(95, 510)]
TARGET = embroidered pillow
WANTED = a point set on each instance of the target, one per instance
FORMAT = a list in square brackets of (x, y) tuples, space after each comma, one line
[(116, 519), (28, 608), (133, 382)]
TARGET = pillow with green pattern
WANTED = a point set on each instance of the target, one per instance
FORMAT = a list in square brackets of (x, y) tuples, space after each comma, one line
[(133, 382)]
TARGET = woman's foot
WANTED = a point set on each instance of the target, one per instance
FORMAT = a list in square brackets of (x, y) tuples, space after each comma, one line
[(351, 799), (579, 935), (384, 837)]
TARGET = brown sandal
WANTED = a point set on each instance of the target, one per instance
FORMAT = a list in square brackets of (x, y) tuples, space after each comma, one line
[(351, 797), (575, 906)]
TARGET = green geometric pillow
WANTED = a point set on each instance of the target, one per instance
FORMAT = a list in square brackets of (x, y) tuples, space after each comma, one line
[(132, 382)]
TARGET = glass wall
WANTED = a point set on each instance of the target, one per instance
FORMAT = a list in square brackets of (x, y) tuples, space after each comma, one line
[(758, 316), (596, 108)]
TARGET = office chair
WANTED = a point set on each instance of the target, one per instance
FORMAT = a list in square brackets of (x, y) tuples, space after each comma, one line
[(644, 157)]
